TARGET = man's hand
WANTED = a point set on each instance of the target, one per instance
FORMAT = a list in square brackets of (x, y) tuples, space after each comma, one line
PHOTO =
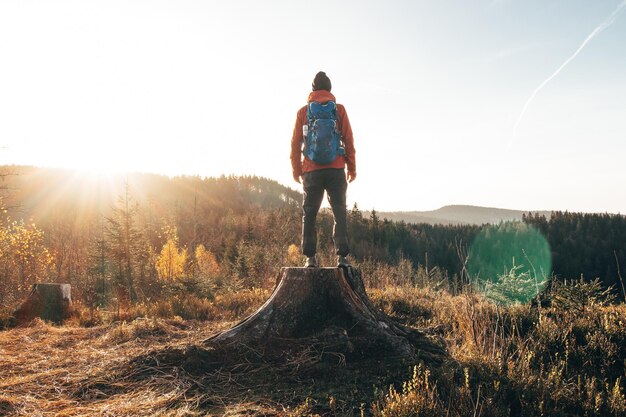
[(296, 178), (351, 176)]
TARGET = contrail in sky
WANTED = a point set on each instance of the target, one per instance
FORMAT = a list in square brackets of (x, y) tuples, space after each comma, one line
[(608, 22)]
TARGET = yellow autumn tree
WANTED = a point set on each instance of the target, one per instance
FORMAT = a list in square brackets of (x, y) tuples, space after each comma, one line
[(208, 267), (24, 259), (294, 256), (170, 263)]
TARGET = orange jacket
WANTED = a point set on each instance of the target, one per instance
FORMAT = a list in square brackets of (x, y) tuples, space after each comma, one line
[(300, 164)]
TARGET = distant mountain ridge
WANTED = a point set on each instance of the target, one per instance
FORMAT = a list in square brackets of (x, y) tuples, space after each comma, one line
[(458, 214)]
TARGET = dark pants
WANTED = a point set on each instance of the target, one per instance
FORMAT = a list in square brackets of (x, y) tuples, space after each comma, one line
[(333, 181)]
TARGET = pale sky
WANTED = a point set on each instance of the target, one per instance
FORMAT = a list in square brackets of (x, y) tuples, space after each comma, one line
[(433, 90)]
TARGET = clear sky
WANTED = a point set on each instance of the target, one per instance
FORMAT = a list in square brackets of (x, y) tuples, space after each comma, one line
[(433, 90)]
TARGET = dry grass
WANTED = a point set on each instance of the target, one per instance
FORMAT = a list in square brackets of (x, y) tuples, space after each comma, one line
[(504, 361), (119, 369), (225, 306), (47, 370), (141, 367), (518, 360)]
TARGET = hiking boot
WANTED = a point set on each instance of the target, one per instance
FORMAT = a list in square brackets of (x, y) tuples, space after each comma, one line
[(311, 262), (343, 261)]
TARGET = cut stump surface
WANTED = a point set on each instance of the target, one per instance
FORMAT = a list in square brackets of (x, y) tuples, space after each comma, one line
[(325, 309)]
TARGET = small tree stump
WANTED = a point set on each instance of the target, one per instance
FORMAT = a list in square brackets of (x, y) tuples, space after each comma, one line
[(48, 301), (325, 309)]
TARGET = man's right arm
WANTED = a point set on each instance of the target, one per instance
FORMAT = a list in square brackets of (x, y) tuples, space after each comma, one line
[(296, 145), (348, 142)]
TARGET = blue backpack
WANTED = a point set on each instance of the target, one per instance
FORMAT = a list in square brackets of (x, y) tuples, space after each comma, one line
[(322, 142)]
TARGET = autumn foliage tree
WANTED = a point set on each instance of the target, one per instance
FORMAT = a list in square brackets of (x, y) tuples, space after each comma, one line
[(170, 264), (24, 260), (207, 266)]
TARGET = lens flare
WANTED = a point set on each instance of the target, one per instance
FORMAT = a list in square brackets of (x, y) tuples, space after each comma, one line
[(510, 262)]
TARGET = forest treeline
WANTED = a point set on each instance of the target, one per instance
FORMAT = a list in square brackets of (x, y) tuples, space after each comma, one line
[(145, 237)]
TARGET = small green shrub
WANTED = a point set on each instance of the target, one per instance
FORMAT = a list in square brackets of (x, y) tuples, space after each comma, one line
[(577, 296)]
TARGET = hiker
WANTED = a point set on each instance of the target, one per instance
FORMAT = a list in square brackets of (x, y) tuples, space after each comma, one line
[(321, 148)]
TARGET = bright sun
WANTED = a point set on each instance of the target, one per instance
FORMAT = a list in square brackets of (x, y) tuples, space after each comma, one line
[(98, 168), (101, 164)]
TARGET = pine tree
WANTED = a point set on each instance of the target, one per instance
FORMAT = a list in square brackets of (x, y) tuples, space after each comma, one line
[(123, 240), (100, 268)]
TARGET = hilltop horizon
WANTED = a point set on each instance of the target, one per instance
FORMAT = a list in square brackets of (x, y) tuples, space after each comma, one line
[(454, 213)]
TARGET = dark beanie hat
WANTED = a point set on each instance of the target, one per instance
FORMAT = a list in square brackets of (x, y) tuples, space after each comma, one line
[(321, 82)]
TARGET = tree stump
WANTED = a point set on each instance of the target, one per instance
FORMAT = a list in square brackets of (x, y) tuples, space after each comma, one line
[(50, 302), (324, 310)]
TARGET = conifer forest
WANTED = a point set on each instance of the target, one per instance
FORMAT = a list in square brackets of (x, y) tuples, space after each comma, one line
[(531, 313)]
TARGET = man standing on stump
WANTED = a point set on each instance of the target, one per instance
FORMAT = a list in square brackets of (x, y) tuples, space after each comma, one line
[(321, 147)]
